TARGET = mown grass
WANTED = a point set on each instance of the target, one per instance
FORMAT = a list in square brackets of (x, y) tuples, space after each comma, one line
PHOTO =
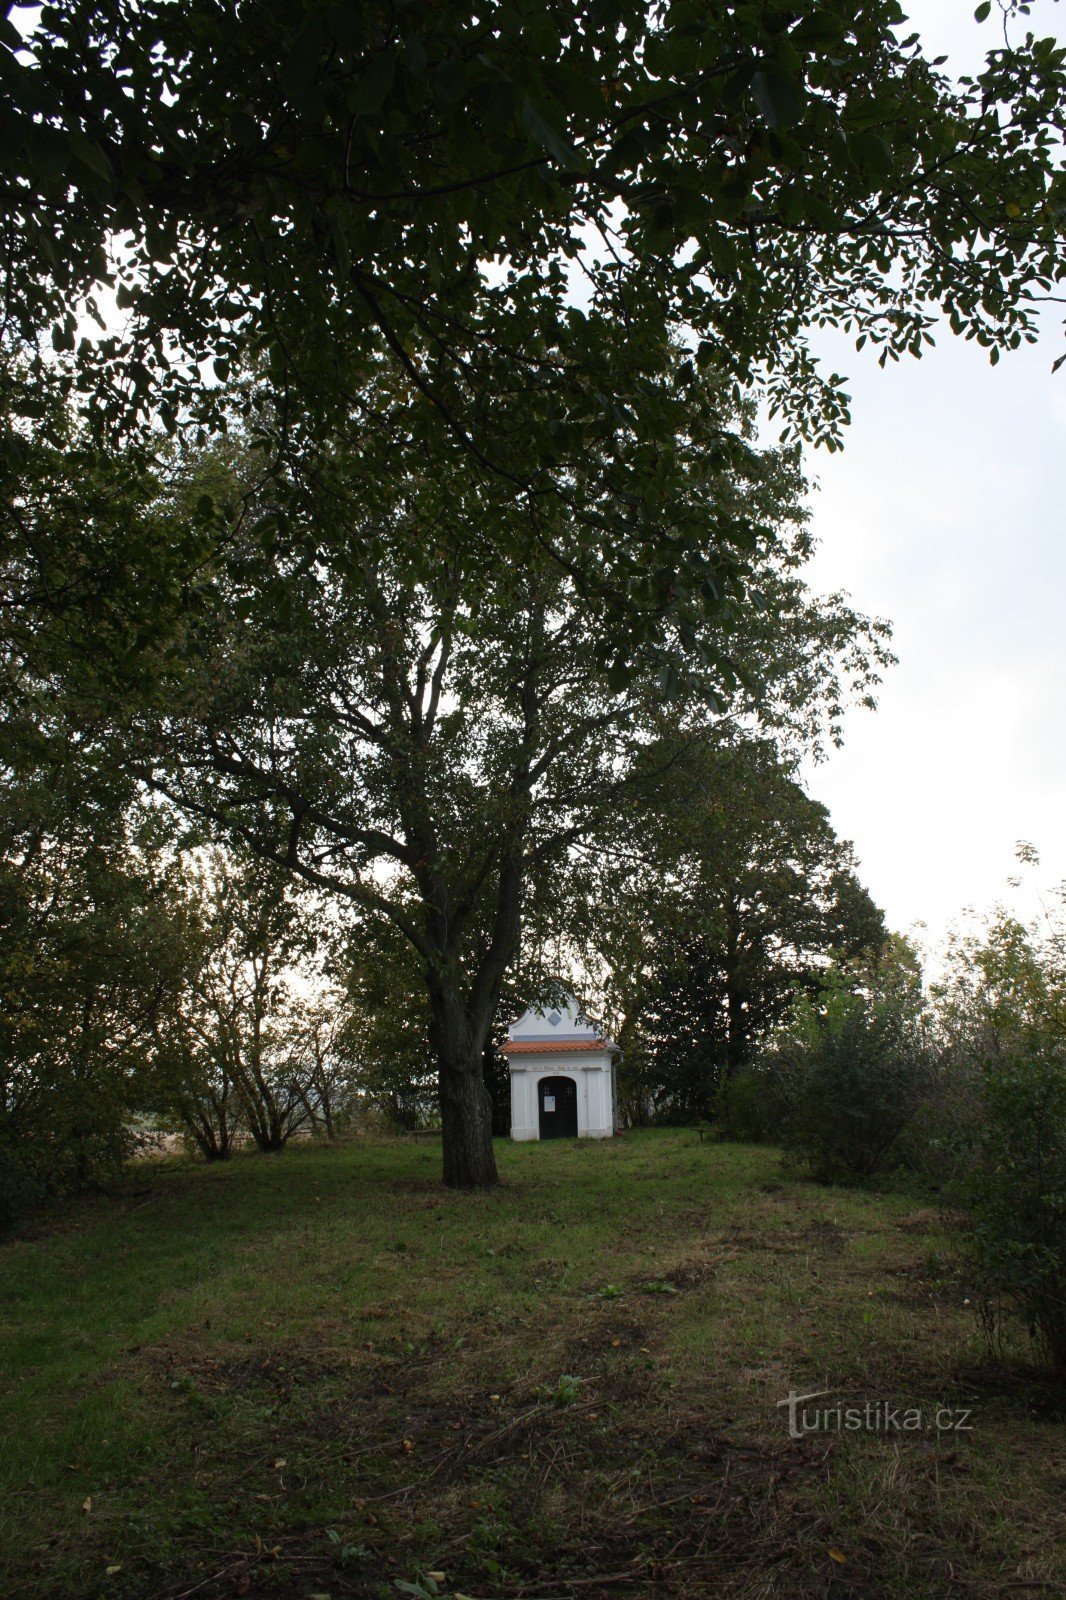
[(324, 1374)]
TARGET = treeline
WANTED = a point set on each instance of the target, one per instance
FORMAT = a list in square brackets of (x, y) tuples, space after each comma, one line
[(154, 982)]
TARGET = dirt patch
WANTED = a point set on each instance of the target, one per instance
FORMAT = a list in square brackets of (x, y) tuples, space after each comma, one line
[(828, 1238)]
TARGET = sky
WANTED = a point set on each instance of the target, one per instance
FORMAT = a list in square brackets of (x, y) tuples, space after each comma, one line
[(944, 513)]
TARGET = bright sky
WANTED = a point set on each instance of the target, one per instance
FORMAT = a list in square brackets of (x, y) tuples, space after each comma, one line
[(944, 513)]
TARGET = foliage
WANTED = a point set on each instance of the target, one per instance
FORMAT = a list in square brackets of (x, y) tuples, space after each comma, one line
[(1017, 1193), (319, 182), (246, 1048), (751, 1105), (386, 1025), (1003, 1007), (855, 1066), (448, 470), (420, 738), (88, 959), (739, 895)]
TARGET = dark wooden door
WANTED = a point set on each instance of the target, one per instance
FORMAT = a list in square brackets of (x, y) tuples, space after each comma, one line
[(558, 1108)]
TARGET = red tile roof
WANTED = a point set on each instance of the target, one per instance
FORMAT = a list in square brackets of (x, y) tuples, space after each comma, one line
[(550, 1046)]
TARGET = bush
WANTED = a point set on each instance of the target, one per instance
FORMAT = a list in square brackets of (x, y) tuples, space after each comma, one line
[(1002, 1008), (19, 1186), (1016, 1191), (854, 1070), (935, 1143), (751, 1105)]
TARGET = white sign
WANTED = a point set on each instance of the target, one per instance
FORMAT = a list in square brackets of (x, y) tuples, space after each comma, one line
[(549, 1102)]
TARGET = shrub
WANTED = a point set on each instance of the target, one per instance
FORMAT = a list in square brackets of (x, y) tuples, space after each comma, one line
[(751, 1105), (1016, 1191), (1003, 1008), (854, 1069), (19, 1186)]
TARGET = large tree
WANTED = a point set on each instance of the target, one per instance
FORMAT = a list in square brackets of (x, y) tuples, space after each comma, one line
[(737, 902), (430, 735)]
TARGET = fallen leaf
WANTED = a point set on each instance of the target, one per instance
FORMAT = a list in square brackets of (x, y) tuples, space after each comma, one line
[(87, 1504), (438, 1577), (408, 1444), (110, 1571), (279, 1463), (495, 1399), (838, 1556), (475, 1505)]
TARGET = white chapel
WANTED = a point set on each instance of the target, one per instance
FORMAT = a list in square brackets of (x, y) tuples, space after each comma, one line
[(562, 1073)]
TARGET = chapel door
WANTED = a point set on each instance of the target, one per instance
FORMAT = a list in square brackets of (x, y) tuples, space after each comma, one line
[(558, 1108)]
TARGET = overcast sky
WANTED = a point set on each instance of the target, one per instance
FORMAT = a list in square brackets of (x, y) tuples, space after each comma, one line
[(944, 513)]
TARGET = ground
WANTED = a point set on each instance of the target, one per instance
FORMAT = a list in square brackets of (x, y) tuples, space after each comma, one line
[(323, 1374)]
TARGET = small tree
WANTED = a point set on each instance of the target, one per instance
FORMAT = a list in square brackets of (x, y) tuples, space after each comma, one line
[(241, 1051)]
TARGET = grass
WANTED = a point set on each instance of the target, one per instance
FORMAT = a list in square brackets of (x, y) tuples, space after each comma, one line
[(323, 1374)]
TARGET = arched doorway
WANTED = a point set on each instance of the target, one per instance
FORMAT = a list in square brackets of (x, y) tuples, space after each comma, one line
[(558, 1108)]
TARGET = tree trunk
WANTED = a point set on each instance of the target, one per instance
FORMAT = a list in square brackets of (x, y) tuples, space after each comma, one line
[(465, 1102), (466, 1126)]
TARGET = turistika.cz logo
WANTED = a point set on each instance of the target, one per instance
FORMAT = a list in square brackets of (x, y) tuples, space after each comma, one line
[(871, 1416)]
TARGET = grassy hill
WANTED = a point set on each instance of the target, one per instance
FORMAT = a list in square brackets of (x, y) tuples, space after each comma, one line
[(323, 1374)]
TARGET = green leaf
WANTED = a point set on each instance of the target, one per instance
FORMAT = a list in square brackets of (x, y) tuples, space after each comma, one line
[(49, 151), (90, 155), (821, 27), (539, 128), (303, 59), (871, 153), (779, 98), (450, 81), (981, 14), (370, 93)]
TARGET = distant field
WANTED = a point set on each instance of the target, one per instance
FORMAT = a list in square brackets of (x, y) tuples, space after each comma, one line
[(323, 1374)]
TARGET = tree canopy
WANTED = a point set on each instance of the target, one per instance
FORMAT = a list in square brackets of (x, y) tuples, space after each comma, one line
[(518, 201)]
